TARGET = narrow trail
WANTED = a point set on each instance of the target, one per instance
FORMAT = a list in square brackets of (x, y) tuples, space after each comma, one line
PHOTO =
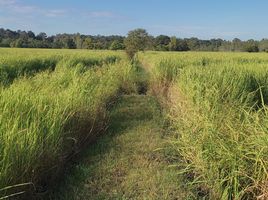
[(129, 162)]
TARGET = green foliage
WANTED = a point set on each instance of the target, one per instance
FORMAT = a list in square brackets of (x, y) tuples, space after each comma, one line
[(116, 45), (23, 39), (136, 40), (263, 46), (173, 44), (251, 46), (178, 44), (87, 44), (162, 42)]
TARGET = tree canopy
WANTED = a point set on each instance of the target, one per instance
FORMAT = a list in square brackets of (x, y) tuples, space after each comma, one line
[(136, 40)]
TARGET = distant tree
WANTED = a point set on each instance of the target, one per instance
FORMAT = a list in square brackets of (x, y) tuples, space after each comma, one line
[(216, 44), (182, 45), (41, 36), (11, 34), (136, 40), (57, 42), (31, 34), (6, 42), (161, 43), (78, 41), (205, 45), (263, 45), (237, 45), (116, 45), (88, 44), (251, 46), (12, 44), (176, 44), (98, 45), (23, 35), (226, 46), (173, 44), (150, 43), (193, 44), (69, 43), (19, 43)]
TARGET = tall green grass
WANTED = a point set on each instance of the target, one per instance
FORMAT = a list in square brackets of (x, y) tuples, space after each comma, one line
[(46, 119), (14, 63), (221, 143), (217, 107)]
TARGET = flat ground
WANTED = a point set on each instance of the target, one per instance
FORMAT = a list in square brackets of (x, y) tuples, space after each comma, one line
[(129, 162)]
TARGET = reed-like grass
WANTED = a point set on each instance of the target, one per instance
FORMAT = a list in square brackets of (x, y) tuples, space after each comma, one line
[(217, 108), (227, 117), (46, 119), (15, 63)]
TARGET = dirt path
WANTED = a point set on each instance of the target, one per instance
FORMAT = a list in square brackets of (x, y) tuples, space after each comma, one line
[(129, 162)]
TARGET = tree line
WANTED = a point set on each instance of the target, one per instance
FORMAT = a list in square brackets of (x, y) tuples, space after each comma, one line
[(28, 39)]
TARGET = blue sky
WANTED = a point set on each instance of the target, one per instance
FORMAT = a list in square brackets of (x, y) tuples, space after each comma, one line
[(205, 19)]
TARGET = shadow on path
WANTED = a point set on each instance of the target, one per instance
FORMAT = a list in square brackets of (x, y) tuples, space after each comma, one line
[(126, 163)]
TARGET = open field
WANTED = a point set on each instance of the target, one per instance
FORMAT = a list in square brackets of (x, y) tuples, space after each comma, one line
[(149, 129), (217, 106), (47, 118)]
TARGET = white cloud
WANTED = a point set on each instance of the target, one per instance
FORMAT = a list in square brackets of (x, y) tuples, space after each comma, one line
[(55, 13), (7, 2), (16, 14), (19, 9), (101, 14), (15, 7), (24, 9), (104, 15)]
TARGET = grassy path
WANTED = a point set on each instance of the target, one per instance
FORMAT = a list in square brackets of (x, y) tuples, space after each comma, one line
[(128, 162)]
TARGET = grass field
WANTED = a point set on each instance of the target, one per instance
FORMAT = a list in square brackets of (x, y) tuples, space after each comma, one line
[(217, 106), (175, 125), (47, 118)]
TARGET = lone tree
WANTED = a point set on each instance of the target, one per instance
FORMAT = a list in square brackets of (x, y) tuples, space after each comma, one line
[(136, 40)]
